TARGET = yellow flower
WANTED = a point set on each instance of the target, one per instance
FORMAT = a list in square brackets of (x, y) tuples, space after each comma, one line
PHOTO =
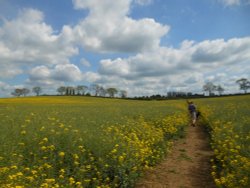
[(42, 128), (46, 165), (76, 156), (33, 172), (62, 171), (61, 154), (50, 181), (27, 120), (30, 178), (61, 125), (45, 139), (88, 166), (121, 159), (78, 183), (217, 182), (27, 169), (13, 167), (19, 174), (71, 180), (51, 147), (87, 180), (76, 163), (43, 148)]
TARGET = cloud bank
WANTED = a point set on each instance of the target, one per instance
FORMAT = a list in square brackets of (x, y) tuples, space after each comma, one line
[(234, 2), (28, 45)]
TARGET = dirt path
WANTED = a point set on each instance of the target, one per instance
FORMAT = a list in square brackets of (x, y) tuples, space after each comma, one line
[(187, 166)]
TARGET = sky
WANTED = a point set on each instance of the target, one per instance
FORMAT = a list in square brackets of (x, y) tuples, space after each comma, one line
[(145, 47)]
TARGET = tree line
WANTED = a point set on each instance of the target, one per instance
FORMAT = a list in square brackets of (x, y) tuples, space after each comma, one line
[(95, 89), (209, 87), (25, 91), (92, 90), (98, 90)]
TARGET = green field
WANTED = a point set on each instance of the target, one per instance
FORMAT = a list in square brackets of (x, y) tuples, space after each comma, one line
[(98, 142)]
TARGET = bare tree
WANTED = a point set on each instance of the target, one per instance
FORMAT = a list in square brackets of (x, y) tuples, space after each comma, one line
[(244, 84), (102, 92), (112, 91), (96, 89), (61, 90), (70, 90), (209, 87), (220, 89), (25, 91), (37, 90), (17, 92), (81, 89), (123, 94)]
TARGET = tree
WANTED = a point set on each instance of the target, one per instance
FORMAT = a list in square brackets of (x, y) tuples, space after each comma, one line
[(81, 89), (96, 89), (17, 92), (70, 90), (102, 92), (25, 91), (209, 87), (123, 94), (61, 90), (244, 84), (220, 89), (37, 90), (112, 91)]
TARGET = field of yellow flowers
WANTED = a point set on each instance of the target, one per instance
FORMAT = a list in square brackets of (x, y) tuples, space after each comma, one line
[(228, 119), (89, 142)]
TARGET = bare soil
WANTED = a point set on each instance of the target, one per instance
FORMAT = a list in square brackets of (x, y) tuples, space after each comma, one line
[(187, 166)]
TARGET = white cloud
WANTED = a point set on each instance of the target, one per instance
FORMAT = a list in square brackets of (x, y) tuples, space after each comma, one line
[(92, 77), (108, 28), (234, 2), (85, 62), (6, 89), (230, 2), (28, 40), (3, 88), (61, 73), (67, 73), (40, 73), (186, 68), (9, 71), (143, 2), (50, 78)]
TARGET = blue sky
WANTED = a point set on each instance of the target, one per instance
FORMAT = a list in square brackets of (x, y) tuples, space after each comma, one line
[(142, 46)]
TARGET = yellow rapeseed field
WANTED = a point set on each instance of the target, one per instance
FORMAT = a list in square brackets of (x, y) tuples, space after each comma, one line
[(83, 141), (95, 142), (228, 119)]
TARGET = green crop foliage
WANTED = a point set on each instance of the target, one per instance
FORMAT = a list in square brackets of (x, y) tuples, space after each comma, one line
[(228, 118), (84, 141)]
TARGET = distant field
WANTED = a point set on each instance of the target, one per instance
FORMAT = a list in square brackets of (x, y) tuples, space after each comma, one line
[(83, 141)]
